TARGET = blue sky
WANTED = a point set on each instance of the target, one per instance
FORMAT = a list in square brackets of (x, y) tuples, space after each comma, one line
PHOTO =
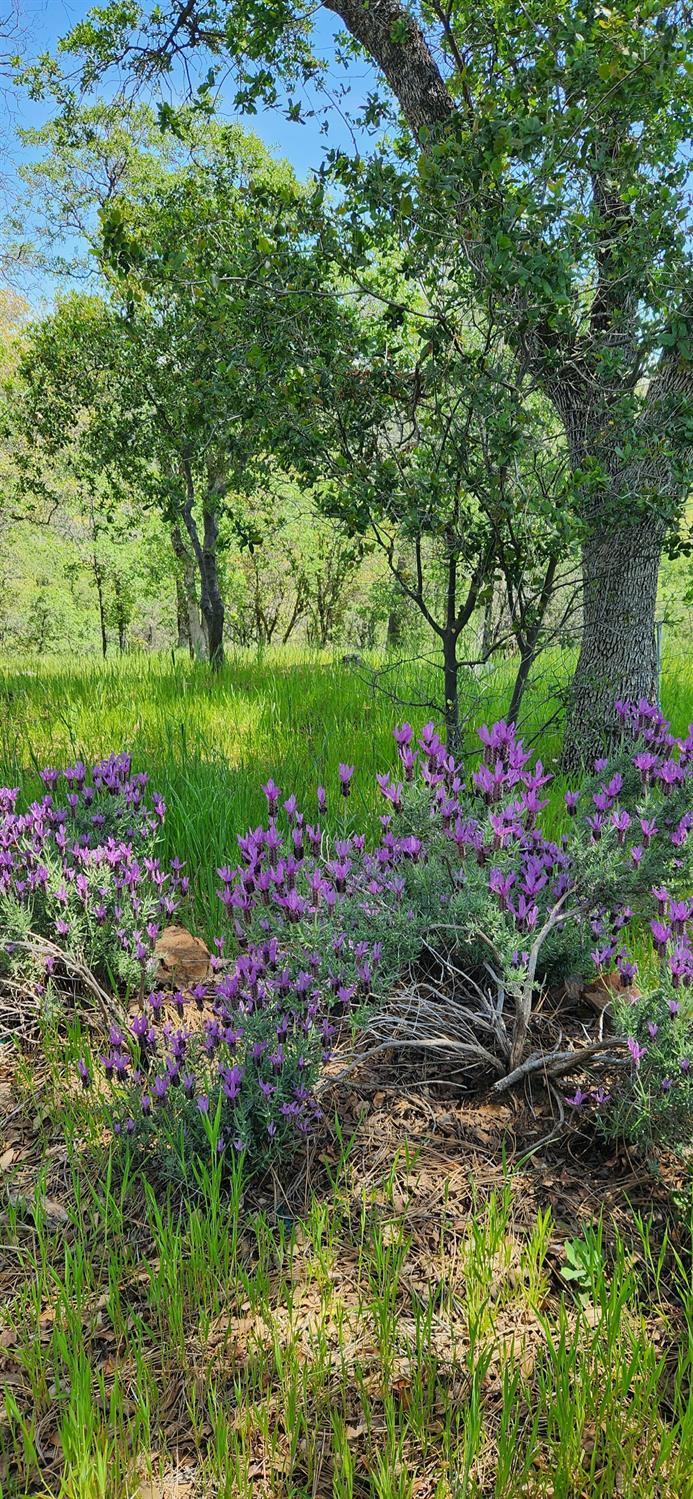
[(42, 23)]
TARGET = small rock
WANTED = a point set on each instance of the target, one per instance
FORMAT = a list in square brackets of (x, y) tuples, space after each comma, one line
[(55, 1214), (183, 960)]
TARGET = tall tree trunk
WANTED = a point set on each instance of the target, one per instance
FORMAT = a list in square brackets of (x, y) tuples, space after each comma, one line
[(98, 579), (183, 640), (121, 615), (394, 618), (452, 702), (214, 614), (211, 602), (190, 629), (622, 549), (394, 633), (296, 612), (487, 627), (618, 657)]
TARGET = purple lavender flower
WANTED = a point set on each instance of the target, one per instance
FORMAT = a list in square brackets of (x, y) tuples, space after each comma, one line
[(670, 774), (646, 763), (345, 774), (681, 966), (661, 895), (627, 971), (662, 936), (621, 821), (680, 912), (408, 758), (160, 1088), (273, 794), (500, 884)]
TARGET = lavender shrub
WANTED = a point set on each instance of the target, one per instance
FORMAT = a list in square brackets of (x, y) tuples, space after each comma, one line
[(468, 857), (315, 930), (79, 872), (321, 929)]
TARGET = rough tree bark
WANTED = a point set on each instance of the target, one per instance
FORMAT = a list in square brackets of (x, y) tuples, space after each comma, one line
[(98, 580), (120, 615), (214, 612), (205, 551), (191, 632), (620, 570), (408, 65)]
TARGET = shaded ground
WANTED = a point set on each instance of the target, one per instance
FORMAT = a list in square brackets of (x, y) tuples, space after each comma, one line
[(371, 1299)]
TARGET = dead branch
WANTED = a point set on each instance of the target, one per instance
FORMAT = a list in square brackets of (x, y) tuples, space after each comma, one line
[(524, 994), (558, 1063), (109, 1005)]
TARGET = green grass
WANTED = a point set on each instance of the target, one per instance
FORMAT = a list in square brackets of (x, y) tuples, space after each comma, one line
[(209, 741), (370, 1351)]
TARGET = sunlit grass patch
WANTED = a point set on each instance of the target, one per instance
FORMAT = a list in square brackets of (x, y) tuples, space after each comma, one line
[(209, 742)]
